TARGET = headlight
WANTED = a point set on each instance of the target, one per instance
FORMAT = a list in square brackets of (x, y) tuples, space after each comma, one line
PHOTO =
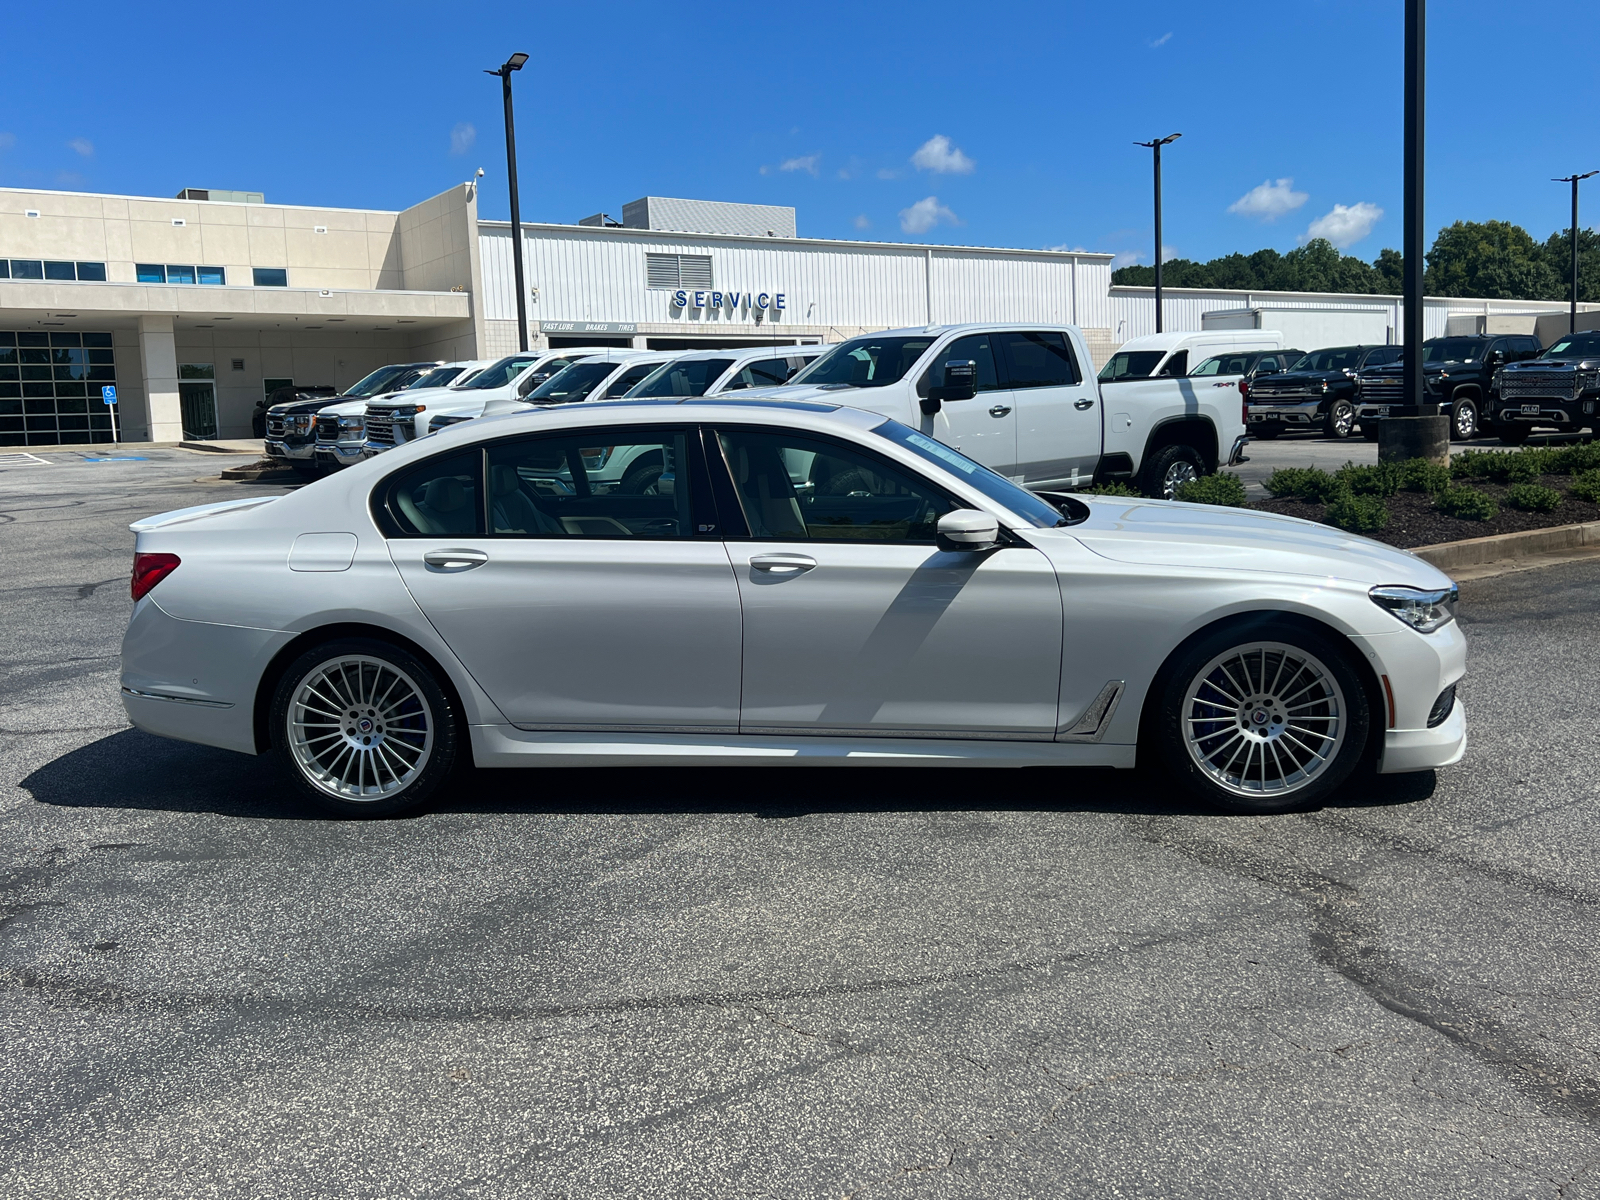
[(1419, 608), (352, 424)]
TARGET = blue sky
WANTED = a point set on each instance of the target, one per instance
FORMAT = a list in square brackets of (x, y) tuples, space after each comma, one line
[(1005, 125)]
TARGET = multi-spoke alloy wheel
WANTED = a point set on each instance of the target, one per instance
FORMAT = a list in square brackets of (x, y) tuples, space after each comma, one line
[(1263, 719), (359, 728), (365, 727)]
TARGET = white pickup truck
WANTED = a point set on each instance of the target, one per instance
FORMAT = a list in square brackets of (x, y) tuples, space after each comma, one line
[(1023, 400)]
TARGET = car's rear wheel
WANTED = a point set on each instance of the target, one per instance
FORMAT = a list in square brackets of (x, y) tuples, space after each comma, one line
[(1341, 419), (364, 727), (1262, 719), (1170, 468)]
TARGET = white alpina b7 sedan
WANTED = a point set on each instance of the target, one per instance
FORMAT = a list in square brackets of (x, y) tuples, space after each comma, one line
[(802, 584)]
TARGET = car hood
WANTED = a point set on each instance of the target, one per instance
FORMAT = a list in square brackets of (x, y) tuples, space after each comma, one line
[(1299, 377), (1169, 534), (1587, 363), (297, 407), (428, 396), (344, 408)]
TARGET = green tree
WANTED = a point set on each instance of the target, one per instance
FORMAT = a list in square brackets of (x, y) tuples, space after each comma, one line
[(1493, 259), (1558, 257), (1390, 270)]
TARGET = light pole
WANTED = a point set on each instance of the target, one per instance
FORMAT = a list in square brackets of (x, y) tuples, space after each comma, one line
[(514, 63), (1156, 146), (1574, 180)]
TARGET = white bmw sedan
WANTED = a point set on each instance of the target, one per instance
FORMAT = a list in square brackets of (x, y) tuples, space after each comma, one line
[(802, 585)]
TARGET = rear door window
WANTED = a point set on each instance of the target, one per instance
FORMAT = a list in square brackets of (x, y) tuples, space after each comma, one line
[(440, 498), (1035, 360), (1176, 366), (588, 484)]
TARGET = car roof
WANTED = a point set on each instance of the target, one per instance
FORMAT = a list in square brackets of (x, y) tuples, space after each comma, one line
[(749, 353)]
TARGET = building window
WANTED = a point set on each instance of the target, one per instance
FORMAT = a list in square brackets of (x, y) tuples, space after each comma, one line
[(150, 272), (271, 277), (673, 271), (214, 276), (169, 273), (60, 270), (92, 272), (27, 268), (50, 388), (179, 274)]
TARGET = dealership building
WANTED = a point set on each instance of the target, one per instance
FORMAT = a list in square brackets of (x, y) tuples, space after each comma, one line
[(194, 308)]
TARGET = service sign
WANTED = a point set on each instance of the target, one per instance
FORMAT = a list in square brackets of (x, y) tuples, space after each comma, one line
[(756, 302)]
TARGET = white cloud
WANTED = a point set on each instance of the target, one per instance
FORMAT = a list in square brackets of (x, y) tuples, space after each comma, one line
[(462, 137), (862, 222), (83, 146), (886, 173), (806, 162), (1065, 248), (939, 156), (1345, 226), (1162, 40), (1126, 259), (7, 140), (1269, 200), (925, 214), (1168, 253)]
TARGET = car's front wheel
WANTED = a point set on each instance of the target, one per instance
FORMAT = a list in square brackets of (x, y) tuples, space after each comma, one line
[(1341, 419), (1463, 421), (364, 727), (1262, 718)]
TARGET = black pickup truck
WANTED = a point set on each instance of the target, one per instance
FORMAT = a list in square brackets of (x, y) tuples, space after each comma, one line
[(1317, 392), (1458, 373), (1559, 389)]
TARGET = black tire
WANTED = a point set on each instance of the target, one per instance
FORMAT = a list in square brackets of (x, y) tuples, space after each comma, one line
[(1169, 466), (1512, 435), (1463, 420), (641, 478), (1370, 431), (421, 729), (1185, 688), (1341, 420), (1266, 432)]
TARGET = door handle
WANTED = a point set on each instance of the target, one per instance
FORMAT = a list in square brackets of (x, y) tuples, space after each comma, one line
[(783, 564), (1081, 405), (455, 560), (999, 410)]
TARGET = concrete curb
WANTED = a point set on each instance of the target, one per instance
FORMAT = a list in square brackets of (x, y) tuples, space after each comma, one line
[(1475, 551)]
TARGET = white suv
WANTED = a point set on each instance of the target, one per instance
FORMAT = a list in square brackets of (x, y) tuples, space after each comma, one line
[(497, 388), (341, 428), (713, 372)]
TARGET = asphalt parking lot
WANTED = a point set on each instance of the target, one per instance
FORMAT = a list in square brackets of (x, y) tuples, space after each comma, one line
[(782, 983)]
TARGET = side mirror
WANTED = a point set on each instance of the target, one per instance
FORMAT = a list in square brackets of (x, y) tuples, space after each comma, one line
[(960, 381), (968, 529)]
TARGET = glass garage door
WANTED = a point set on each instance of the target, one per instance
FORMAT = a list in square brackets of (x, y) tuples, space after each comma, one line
[(50, 388)]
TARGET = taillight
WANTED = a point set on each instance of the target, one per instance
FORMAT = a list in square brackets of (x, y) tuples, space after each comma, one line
[(1244, 401), (151, 569)]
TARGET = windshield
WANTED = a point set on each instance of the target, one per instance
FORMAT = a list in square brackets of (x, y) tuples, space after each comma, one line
[(1578, 345), (1131, 364), (866, 362), (384, 379), (690, 378), (1224, 364), (503, 372), (1442, 350), (571, 383), (1033, 509), (438, 377), (1329, 360)]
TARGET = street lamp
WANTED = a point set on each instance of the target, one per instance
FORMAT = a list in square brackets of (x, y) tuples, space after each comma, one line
[(1156, 146), (1573, 180), (514, 63)]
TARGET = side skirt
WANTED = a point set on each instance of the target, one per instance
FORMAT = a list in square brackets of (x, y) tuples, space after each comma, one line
[(508, 746)]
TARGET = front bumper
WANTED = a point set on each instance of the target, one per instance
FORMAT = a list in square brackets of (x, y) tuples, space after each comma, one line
[(1423, 749), (1544, 410), (291, 451), (340, 454), (1299, 413)]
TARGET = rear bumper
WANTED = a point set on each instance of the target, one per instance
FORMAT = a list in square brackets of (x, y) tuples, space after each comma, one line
[(1423, 749), (1236, 455)]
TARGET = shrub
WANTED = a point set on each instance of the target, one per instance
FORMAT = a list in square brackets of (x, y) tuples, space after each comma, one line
[(1303, 483), (1467, 503), (1223, 488), (1379, 479), (1530, 497), (1421, 475), (1574, 460), (1474, 464), (1586, 487), (1358, 514), (1109, 489)]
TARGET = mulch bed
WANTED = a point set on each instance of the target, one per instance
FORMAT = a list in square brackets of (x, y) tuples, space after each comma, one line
[(1413, 521)]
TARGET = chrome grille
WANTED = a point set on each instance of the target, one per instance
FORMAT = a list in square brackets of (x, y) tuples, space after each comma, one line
[(387, 427), (1562, 385), (275, 425), (1383, 391), (1287, 391)]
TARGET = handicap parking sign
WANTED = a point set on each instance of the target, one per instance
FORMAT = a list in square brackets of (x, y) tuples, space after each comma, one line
[(108, 394)]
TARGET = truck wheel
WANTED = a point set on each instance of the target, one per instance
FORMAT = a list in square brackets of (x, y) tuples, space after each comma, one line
[(1169, 468), (1463, 421), (1260, 717), (1512, 435), (642, 480), (1341, 419)]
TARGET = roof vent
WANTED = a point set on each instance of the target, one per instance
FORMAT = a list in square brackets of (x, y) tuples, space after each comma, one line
[(215, 194)]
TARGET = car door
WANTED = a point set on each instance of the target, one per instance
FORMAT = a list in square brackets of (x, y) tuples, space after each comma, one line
[(1058, 417), (984, 427), (856, 623), (574, 604)]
